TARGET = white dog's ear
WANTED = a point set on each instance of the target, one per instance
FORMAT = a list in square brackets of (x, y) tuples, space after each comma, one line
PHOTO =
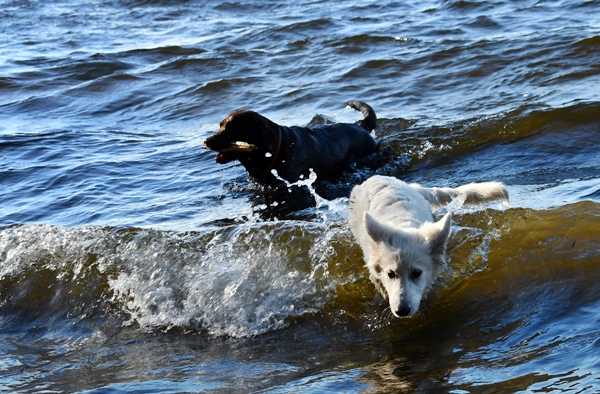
[(378, 232), (438, 234)]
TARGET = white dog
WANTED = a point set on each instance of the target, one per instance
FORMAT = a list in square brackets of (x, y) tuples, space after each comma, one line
[(404, 249)]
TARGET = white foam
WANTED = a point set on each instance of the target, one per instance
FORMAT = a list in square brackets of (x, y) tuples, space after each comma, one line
[(242, 280), (250, 280)]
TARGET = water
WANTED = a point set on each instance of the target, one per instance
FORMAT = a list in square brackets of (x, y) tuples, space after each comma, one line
[(130, 261)]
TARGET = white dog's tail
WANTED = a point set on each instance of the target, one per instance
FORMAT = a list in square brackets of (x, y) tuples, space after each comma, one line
[(474, 193)]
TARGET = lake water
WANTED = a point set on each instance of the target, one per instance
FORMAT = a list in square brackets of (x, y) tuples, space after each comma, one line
[(131, 262)]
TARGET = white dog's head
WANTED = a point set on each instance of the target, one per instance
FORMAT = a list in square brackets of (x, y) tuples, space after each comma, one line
[(404, 263)]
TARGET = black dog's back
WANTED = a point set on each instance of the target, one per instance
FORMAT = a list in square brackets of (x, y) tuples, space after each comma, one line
[(328, 149)]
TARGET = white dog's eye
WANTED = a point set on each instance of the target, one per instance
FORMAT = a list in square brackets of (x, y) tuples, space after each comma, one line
[(415, 274), (392, 275)]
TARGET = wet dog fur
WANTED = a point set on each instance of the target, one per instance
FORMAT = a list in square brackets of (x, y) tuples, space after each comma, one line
[(262, 145), (404, 248)]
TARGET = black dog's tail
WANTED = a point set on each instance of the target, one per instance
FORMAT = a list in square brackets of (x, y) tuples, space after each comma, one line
[(370, 120)]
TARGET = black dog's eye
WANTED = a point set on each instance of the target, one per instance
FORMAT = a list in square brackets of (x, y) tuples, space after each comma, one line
[(392, 275), (415, 274)]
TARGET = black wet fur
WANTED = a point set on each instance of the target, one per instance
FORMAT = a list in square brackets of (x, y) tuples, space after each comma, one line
[(327, 149)]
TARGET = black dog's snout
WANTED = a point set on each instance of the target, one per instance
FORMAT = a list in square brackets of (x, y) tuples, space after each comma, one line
[(404, 310)]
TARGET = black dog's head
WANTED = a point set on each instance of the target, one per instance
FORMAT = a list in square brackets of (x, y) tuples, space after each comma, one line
[(248, 137)]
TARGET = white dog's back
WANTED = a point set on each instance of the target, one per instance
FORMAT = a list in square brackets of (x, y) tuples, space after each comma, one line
[(395, 202), (389, 200), (403, 247)]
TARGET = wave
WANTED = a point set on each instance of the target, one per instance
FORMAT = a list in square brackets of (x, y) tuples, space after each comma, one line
[(238, 280), (242, 280), (255, 277), (545, 143)]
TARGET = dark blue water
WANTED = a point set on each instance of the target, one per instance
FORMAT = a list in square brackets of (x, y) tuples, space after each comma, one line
[(131, 262)]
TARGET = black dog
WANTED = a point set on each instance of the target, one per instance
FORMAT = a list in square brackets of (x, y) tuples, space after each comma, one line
[(262, 146)]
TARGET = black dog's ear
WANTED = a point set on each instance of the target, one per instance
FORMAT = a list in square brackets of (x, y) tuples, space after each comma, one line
[(270, 133)]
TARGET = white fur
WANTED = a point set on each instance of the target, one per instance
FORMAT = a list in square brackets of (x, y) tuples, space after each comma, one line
[(404, 249)]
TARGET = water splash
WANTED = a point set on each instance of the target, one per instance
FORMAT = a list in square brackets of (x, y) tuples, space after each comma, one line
[(242, 280), (250, 279), (325, 209)]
